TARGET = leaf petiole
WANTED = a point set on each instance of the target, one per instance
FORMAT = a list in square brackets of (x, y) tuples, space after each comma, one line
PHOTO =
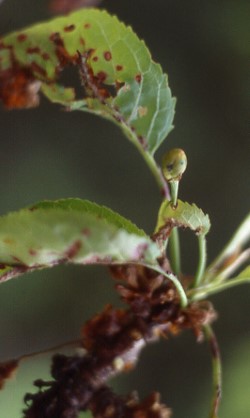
[(174, 251), (236, 264), (209, 290), (202, 260), (217, 370), (174, 239)]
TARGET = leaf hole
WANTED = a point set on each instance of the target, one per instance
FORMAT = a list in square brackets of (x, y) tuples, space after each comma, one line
[(69, 77)]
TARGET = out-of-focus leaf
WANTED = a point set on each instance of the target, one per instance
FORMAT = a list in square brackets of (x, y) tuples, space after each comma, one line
[(122, 82), (6, 371), (69, 231), (244, 275), (183, 215), (232, 249), (66, 6)]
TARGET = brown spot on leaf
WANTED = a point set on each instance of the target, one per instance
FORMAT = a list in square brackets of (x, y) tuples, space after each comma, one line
[(140, 251), (101, 76), (138, 78), (92, 84), (82, 41), (32, 252), (61, 52), (54, 36), (95, 58), (21, 37), (45, 56), (38, 69), (33, 50), (86, 232), (142, 141), (8, 241), (119, 67), (87, 25), (73, 250), (107, 55), (16, 259), (2, 266), (69, 28)]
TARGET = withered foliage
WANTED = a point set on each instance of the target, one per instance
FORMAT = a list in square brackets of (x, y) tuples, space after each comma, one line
[(18, 88), (112, 342), (7, 370)]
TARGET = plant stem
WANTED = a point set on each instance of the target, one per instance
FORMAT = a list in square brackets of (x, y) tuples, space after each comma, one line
[(208, 290), (174, 251), (217, 370), (174, 188), (241, 259), (177, 283), (174, 239), (156, 171), (202, 260)]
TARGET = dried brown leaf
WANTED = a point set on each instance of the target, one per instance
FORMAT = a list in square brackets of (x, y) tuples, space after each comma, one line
[(7, 370)]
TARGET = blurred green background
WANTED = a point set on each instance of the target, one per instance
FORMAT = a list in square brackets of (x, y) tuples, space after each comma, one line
[(48, 154)]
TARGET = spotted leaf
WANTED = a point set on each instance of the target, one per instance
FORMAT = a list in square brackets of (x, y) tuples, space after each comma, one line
[(119, 77), (183, 215), (69, 231)]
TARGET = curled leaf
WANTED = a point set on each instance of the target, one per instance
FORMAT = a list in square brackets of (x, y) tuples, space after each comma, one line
[(183, 215), (69, 231)]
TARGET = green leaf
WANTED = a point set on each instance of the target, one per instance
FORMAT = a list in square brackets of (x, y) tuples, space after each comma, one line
[(69, 231), (244, 275), (183, 215), (111, 55), (232, 248)]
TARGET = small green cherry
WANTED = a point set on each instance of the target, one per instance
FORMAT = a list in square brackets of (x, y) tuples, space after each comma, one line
[(174, 163)]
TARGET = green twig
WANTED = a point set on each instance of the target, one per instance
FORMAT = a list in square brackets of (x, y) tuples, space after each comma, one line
[(174, 251), (174, 239), (174, 188), (177, 283), (235, 265), (205, 291), (217, 370), (202, 260)]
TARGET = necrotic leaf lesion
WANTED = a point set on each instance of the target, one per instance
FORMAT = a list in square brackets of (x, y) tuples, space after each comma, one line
[(19, 88)]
